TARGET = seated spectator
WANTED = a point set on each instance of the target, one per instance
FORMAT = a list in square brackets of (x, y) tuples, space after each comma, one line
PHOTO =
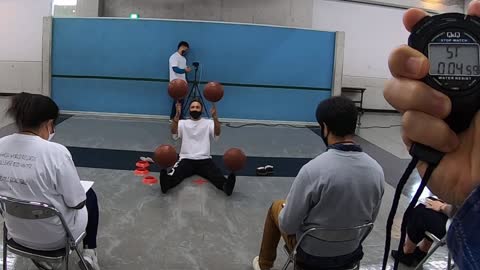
[(340, 188)]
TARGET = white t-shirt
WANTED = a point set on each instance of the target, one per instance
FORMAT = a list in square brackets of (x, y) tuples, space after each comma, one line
[(177, 60), (196, 137), (34, 169)]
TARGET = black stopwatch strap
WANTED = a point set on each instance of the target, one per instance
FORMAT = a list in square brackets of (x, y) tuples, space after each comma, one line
[(426, 153), (409, 210), (393, 210), (418, 152)]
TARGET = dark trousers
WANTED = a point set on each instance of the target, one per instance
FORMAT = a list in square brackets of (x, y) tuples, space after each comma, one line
[(90, 240), (424, 220), (205, 168), (309, 262), (174, 109)]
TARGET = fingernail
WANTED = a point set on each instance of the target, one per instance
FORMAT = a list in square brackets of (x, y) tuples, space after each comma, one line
[(414, 65)]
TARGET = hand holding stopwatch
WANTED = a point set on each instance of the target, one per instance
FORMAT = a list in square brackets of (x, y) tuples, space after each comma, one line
[(451, 42)]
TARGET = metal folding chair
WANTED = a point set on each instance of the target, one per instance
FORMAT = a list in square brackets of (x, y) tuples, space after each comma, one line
[(34, 211), (320, 233), (437, 243)]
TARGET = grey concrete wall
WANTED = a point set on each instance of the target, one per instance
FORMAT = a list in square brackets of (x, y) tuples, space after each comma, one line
[(21, 46), (275, 12), (297, 13), (437, 6), (64, 11), (88, 8)]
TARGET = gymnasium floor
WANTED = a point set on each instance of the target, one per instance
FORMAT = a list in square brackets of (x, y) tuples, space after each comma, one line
[(195, 226)]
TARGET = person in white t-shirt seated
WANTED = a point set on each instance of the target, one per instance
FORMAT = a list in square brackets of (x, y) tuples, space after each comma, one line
[(33, 168), (177, 67), (195, 157)]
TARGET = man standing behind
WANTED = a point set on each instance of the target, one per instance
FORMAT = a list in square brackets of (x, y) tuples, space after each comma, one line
[(177, 66)]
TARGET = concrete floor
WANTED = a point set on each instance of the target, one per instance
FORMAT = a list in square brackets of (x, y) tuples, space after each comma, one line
[(384, 131), (196, 226)]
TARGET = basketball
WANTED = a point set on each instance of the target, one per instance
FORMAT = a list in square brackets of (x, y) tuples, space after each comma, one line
[(165, 156), (177, 89), (213, 91), (234, 159)]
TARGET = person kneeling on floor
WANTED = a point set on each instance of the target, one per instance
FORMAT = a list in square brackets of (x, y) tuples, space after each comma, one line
[(195, 157), (341, 188)]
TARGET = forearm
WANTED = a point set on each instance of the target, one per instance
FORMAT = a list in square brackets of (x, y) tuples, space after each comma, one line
[(448, 210), (298, 204), (289, 219), (217, 126), (179, 70), (174, 126), (293, 213)]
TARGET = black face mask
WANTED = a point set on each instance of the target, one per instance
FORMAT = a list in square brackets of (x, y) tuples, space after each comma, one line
[(195, 114), (324, 139), (184, 52)]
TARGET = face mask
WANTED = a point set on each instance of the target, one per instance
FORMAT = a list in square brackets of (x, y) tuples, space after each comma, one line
[(50, 135), (195, 114), (324, 139), (184, 53)]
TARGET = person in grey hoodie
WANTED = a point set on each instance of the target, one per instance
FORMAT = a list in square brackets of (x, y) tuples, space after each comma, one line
[(341, 188)]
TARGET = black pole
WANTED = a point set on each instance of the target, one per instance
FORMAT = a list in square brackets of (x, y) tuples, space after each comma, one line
[(195, 91)]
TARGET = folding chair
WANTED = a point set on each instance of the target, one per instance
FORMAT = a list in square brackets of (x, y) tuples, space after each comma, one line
[(320, 233), (437, 243), (34, 211)]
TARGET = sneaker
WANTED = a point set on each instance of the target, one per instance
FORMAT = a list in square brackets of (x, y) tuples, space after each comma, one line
[(419, 255), (255, 264), (163, 181), (261, 171), (229, 184), (406, 259), (269, 170), (265, 171), (147, 159), (90, 257)]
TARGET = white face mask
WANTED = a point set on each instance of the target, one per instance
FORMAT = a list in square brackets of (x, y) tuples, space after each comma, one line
[(50, 136)]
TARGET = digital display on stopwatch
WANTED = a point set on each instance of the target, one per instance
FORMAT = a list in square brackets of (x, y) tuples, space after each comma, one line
[(454, 59)]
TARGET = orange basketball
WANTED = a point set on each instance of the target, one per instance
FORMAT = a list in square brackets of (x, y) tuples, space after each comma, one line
[(213, 91), (234, 159), (165, 155), (178, 89)]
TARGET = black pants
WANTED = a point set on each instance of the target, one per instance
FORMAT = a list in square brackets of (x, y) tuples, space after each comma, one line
[(205, 168), (424, 220), (309, 262), (174, 109), (90, 240)]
